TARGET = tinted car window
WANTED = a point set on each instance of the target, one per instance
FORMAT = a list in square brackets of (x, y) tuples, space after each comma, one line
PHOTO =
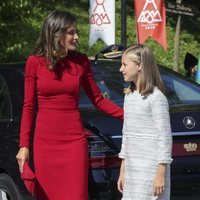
[(5, 110), (178, 90)]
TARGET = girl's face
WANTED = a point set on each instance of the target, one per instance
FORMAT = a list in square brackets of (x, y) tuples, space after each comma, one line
[(129, 69), (71, 38)]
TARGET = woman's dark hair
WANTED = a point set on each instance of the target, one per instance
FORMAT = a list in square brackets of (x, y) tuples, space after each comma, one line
[(50, 44)]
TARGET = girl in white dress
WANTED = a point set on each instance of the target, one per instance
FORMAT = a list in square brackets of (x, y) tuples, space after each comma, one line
[(147, 139)]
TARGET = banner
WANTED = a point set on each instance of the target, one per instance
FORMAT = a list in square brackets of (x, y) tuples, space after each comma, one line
[(151, 21), (197, 77), (102, 21)]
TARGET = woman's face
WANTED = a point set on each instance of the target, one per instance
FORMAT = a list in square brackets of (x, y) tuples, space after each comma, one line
[(129, 69), (71, 38)]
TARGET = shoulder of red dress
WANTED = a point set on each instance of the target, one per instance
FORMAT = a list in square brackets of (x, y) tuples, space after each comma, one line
[(37, 59)]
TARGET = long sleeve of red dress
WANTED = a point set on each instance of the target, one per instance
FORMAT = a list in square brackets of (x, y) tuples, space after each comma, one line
[(29, 102)]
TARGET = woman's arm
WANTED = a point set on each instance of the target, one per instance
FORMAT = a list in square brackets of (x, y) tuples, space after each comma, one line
[(96, 96), (28, 111)]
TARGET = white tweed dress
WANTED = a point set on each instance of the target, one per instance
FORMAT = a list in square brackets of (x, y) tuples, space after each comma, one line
[(146, 142)]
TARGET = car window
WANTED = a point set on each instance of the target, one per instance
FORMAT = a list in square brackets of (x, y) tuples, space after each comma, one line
[(5, 109), (179, 90)]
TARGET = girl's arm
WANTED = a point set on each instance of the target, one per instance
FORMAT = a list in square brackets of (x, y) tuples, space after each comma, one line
[(161, 119)]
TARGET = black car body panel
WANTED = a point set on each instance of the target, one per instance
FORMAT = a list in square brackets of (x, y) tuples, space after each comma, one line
[(105, 133)]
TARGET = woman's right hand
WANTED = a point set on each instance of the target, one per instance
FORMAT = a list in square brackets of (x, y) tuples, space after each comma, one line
[(22, 156)]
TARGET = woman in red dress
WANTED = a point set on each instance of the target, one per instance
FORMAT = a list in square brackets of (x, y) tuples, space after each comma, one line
[(53, 77)]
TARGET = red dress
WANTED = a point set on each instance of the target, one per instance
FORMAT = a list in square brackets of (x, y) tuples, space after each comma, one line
[(60, 144)]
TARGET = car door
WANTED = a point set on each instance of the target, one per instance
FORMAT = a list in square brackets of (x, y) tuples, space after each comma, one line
[(7, 186), (5, 113)]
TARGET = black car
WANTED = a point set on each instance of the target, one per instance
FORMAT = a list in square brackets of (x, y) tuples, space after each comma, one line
[(104, 132)]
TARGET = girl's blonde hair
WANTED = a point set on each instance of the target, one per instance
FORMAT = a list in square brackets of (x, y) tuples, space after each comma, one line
[(150, 75)]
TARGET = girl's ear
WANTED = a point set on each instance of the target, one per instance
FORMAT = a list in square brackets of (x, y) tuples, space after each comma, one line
[(139, 67)]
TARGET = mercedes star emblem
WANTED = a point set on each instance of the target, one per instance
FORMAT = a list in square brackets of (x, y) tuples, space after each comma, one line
[(189, 122)]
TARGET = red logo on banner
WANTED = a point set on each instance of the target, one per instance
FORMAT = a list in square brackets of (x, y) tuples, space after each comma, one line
[(151, 21), (99, 15)]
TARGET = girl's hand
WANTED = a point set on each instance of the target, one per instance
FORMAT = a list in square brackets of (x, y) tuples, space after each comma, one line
[(22, 157), (158, 186), (159, 182), (120, 182)]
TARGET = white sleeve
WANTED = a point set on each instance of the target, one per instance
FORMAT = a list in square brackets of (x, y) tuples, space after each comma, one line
[(161, 118)]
